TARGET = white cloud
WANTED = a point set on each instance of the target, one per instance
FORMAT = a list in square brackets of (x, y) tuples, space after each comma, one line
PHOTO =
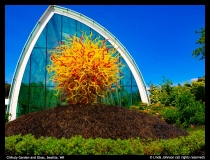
[(147, 88), (193, 79)]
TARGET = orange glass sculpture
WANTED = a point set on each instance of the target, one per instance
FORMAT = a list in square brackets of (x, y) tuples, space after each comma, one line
[(84, 69)]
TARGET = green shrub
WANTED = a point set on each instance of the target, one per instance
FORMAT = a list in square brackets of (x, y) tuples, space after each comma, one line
[(10, 144), (25, 145), (198, 89), (77, 145), (135, 108), (177, 146), (190, 110), (171, 115)]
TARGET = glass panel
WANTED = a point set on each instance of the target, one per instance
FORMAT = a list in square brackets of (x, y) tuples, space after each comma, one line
[(126, 96), (37, 95), (68, 27), (52, 100), (69, 21), (54, 31), (126, 80), (113, 98), (48, 81), (41, 43), (82, 27), (133, 80), (78, 29), (22, 106), (95, 34), (136, 99), (85, 29), (38, 67), (26, 75)]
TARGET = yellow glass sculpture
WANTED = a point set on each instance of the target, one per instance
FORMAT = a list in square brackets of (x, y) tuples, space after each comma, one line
[(84, 69)]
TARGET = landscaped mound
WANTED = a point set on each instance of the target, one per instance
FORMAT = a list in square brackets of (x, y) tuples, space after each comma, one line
[(98, 120)]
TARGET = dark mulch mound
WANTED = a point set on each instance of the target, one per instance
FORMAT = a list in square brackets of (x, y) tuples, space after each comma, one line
[(94, 121)]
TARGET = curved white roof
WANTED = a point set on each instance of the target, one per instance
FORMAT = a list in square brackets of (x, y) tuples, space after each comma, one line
[(33, 37)]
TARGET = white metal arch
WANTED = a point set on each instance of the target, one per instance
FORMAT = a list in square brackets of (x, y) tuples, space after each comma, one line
[(52, 9)]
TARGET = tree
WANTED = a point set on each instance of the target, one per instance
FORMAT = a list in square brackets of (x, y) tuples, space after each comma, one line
[(163, 94), (155, 92), (198, 89), (201, 41), (166, 96), (7, 88)]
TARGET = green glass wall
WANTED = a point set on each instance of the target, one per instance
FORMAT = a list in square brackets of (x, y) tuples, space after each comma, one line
[(37, 92)]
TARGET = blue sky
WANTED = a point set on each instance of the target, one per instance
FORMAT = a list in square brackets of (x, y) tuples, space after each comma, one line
[(160, 38)]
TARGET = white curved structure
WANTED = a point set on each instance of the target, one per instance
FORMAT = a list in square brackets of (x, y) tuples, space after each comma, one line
[(26, 52)]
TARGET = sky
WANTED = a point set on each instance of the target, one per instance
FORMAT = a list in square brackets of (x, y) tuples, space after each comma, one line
[(160, 38)]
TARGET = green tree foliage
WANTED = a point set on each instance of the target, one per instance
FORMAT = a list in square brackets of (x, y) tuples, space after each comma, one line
[(154, 93), (171, 115), (190, 110), (186, 101), (166, 93), (167, 97), (7, 88), (163, 94), (198, 89), (200, 52)]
